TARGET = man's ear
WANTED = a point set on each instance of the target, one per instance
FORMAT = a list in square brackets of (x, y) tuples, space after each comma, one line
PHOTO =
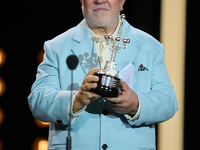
[(81, 2), (122, 4)]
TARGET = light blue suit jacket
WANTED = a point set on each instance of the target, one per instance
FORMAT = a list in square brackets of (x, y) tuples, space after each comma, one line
[(50, 95)]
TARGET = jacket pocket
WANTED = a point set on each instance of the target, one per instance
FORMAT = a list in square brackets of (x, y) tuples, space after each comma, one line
[(142, 74), (142, 81), (57, 139)]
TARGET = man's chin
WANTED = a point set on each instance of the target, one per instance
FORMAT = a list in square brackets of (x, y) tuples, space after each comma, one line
[(100, 22)]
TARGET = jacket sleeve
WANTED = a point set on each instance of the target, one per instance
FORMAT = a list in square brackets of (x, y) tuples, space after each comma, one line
[(160, 103), (47, 101)]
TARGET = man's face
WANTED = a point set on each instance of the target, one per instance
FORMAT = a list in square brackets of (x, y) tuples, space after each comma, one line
[(102, 13)]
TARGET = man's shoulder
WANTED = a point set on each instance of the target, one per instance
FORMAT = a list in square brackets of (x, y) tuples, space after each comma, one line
[(63, 37), (67, 36), (139, 35), (147, 42), (144, 42), (145, 37)]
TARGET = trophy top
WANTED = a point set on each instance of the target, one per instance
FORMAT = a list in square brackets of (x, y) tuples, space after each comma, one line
[(115, 46)]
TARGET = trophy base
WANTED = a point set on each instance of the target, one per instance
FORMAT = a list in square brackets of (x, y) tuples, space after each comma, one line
[(107, 86)]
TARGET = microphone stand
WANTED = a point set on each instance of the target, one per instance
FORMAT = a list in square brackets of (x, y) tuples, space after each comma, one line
[(69, 138), (72, 62)]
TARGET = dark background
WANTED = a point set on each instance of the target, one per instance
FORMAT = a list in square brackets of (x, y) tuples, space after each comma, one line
[(25, 25), (192, 78)]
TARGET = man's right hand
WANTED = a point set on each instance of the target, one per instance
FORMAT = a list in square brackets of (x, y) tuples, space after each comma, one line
[(84, 96)]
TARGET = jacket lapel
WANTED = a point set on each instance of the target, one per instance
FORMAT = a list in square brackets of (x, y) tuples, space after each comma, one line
[(129, 54), (84, 49)]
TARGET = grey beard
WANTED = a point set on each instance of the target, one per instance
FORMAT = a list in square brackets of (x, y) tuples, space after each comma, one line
[(93, 22)]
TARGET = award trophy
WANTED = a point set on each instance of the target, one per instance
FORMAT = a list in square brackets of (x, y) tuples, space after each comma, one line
[(108, 84)]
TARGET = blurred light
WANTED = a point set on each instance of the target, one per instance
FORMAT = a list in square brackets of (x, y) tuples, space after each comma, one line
[(40, 56), (43, 145), (1, 145), (2, 116), (2, 57), (2, 87), (40, 144), (41, 124)]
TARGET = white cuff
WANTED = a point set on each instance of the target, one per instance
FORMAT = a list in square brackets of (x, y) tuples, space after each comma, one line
[(76, 114)]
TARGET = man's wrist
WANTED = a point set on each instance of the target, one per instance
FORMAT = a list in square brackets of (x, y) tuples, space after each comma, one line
[(78, 111), (76, 104), (134, 111), (132, 117)]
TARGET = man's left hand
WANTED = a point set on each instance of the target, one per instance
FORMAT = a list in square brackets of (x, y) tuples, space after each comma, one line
[(126, 101)]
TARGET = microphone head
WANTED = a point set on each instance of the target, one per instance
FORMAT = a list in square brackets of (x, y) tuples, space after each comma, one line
[(72, 62)]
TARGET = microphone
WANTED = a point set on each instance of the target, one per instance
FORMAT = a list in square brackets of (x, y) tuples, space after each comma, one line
[(72, 62)]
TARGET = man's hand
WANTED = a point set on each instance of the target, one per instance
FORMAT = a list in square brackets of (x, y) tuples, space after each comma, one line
[(126, 101), (84, 96)]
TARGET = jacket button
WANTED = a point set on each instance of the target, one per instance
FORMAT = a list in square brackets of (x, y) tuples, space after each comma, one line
[(105, 112), (104, 146), (59, 121)]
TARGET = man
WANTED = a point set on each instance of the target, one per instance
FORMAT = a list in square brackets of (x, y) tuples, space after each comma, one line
[(125, 122)]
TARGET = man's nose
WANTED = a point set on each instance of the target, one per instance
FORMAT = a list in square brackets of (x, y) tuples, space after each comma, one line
[(99, 1)]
